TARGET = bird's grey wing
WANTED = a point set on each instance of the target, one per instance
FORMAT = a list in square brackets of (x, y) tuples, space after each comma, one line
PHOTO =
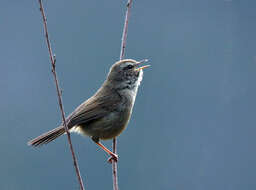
[(94, 108)]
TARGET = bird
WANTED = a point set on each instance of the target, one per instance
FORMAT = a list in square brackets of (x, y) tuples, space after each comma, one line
[(107, 113)]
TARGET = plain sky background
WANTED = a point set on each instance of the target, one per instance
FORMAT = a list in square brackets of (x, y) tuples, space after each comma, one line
[(193, 125)]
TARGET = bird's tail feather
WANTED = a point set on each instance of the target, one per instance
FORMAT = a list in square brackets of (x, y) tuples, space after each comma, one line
[(47, 137)]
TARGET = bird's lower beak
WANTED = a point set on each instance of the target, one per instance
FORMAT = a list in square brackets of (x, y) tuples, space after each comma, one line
[(142, 67)]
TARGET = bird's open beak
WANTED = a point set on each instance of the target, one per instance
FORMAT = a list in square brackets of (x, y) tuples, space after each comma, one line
[(142, 67)]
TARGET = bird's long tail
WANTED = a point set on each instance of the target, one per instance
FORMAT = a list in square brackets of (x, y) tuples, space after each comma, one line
[(47, 137)]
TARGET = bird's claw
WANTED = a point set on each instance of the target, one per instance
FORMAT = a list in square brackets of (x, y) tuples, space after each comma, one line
[(114, 157)]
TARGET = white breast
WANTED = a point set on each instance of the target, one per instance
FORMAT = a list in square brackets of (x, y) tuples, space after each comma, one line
[(133, 92)]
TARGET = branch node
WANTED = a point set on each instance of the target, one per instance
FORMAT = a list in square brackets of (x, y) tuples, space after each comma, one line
[(54, 61)]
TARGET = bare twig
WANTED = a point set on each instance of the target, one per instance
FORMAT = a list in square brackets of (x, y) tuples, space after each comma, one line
[(123, 45), (53, 63), (114, 167), (125, 30)]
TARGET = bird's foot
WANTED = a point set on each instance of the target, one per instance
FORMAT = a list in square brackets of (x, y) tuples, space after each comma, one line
[(114, 157)]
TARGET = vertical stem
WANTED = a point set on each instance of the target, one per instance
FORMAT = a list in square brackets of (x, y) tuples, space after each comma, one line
[(125, 29), (53, 63), (114, 167), (122, 52)]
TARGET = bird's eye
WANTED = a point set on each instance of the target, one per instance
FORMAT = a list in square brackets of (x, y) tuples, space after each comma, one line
[(129, 67)]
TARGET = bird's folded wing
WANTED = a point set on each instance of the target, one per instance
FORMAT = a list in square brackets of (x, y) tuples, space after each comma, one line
[(94, 108)]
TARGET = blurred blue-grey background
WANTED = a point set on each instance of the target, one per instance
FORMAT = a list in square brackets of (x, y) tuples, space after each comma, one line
[(193, 125)]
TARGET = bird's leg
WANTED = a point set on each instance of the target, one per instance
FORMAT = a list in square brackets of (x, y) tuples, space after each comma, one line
[(113, 156)]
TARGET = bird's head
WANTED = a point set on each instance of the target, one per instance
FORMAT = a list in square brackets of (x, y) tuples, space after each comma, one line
[(126, 73)]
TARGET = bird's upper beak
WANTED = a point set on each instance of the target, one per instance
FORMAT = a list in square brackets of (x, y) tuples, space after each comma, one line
[(142, 67)]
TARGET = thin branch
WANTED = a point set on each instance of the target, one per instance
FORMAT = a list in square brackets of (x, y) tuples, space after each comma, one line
[(125, 30), (114, 167), (53, 63), (122, 52)]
